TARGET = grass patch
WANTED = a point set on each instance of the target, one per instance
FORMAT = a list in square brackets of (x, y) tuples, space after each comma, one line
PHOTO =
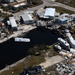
[(37, 48), (67, 2), (52, 51)]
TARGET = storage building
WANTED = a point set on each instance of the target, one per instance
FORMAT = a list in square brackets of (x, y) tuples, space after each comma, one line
[(49, 12), (61, 20), (26, 18), (13, 23)]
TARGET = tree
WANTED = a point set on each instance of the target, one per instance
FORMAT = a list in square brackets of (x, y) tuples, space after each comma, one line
[(29, 1)]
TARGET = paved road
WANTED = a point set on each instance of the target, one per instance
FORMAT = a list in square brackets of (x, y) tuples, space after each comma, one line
[(47, 3), (60, 5)]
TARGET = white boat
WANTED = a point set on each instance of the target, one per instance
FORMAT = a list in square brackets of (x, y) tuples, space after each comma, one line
[(72, 50), (63, 42), (17, 39), (58, 47)]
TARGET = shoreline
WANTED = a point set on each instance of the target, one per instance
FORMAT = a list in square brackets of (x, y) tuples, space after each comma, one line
[(13, 64), (49, 62), (25, 28)]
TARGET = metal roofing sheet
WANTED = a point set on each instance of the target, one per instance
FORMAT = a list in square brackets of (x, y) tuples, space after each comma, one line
[(64, 19), (26, 16), (12, 21), (49, 12)]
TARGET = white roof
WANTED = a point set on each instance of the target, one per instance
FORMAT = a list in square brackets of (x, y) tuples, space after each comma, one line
[(72, 50), (18, 5), (11, 0), (26, 16), (58, 47), (12, 22), (64, 15), (70, 38), (49, 12), (63, 41), (20, 0), (8, 22), (63, 18)]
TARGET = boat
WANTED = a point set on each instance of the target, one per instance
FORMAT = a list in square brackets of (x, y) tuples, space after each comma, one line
[(58, 47), (17, 39)]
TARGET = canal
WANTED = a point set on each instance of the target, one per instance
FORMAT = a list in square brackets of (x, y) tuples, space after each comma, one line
[(11, 51)]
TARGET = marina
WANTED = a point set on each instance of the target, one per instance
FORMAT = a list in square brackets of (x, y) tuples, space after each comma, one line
[(12, 51), (37, 34)]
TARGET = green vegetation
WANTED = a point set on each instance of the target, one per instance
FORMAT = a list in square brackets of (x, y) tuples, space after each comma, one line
[(67, 2), (42, 50), (29, 61), (37, 48), (61, 10), (32, 60), (34, 2), (52, 51)]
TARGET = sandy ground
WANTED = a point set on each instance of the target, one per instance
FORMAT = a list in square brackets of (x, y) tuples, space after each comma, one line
[(51, 61)]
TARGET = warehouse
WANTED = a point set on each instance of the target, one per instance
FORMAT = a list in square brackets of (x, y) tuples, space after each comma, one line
[(49, 12), (13, 23), (46, 14), (26, 18)]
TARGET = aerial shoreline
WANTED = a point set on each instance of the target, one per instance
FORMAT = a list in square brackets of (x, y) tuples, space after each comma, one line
[(25, 28), (12, 65), (15, 57)]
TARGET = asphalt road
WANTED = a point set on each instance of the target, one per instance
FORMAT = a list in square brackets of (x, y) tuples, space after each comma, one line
[(47, 3), (59, 4)]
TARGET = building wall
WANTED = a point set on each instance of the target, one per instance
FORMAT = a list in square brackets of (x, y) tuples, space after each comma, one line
[(29, 22), (14, 29)]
